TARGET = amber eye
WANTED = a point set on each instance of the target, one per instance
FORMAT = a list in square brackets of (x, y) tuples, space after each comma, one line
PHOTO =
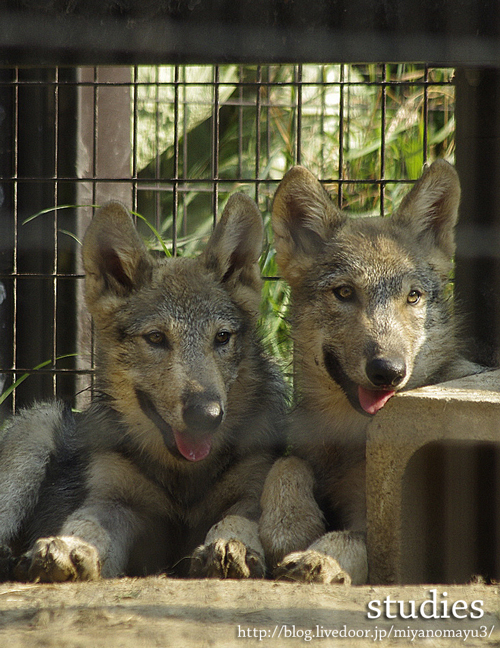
[(222, 337), (344, 293), (414, 297), (156, 338)]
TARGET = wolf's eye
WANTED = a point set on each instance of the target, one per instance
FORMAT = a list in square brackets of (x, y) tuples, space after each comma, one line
[(414, 297), (344, 293), (156, 338), (222, 337)]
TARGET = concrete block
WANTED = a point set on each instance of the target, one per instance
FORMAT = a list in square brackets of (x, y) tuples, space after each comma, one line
[(433, 483)]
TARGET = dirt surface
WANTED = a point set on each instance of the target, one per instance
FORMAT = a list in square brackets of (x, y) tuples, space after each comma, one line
[(183, 613)]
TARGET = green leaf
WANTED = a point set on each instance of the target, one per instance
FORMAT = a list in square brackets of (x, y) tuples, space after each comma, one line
[(22, 378)]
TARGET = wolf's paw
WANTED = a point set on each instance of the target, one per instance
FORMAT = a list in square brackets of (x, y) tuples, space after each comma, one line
[(226, 559), (311, 567), (57, 559)]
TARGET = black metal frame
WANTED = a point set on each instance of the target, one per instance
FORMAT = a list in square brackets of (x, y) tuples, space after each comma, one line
[(134, 32)]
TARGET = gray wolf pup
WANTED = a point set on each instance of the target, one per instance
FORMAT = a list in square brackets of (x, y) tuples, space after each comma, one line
[(164, 470), (370, 316)]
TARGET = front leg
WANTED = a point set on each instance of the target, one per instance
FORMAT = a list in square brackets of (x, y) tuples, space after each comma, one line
[(291, 518), (292, 527), (232, 549)]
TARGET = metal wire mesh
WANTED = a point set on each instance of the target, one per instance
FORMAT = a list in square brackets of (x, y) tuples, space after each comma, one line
[(173, 143)]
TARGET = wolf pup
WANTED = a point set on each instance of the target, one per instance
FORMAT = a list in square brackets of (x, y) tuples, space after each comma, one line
[(165, 469), (370, 316)]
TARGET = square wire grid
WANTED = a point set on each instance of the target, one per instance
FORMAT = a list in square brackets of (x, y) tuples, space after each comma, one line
[(172, 143)]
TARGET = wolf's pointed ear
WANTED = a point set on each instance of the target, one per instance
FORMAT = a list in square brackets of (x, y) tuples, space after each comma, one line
[(235, 246), (114, 257), (431, 207), (304, 219)]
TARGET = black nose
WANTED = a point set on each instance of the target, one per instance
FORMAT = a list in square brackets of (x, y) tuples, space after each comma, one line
[(202, 414), (386, 372)]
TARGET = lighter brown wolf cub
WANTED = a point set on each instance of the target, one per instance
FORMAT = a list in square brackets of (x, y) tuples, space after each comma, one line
[(370, 316)]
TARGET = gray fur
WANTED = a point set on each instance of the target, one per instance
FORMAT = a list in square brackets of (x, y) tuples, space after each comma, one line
[(182, 432)]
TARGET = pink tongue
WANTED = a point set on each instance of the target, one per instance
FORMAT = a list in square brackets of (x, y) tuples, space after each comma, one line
[(193, 449), (372, 400)]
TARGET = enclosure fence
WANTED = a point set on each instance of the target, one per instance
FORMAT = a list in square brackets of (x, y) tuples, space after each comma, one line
[(172, 143)]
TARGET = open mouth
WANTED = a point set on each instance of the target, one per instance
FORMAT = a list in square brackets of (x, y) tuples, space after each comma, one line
[(193, 447), (365, 401)]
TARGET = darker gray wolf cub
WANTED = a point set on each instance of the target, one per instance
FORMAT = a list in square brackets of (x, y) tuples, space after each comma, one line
[(370, 316), (164, 471)]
